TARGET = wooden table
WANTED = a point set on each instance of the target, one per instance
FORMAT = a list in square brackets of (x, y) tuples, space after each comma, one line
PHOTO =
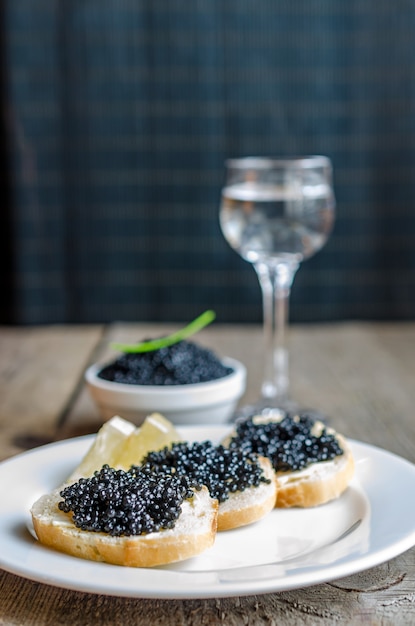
[(361, 375)]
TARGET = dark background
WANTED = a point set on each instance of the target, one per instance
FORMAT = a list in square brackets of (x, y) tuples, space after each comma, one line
[(118, 116)]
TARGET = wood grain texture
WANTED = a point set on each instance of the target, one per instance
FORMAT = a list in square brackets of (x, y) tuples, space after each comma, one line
[(40, 372), (361, 376)]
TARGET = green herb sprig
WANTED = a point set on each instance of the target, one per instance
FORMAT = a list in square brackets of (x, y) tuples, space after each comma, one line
[(155, 344)]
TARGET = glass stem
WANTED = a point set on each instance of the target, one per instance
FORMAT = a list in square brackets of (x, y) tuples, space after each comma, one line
[(276, 279)]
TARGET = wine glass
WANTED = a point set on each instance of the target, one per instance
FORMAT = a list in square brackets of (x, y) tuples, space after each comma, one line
[(276, 213)]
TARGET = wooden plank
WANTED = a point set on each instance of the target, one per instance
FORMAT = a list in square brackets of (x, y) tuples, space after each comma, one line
[(39, 371)]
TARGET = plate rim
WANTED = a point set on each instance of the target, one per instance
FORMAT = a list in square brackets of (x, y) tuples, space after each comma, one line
[(212, 588)]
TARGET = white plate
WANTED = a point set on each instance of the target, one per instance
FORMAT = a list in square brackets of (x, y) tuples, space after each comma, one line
[(369, 524)]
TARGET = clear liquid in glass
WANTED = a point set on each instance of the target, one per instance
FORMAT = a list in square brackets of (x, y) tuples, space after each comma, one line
[(266, 221)]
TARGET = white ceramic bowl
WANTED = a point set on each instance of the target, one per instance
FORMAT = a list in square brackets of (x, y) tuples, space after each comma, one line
[(211, 402)]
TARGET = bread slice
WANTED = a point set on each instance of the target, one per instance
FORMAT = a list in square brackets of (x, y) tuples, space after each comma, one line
[(194, 532), (250, 505), (317, 483)]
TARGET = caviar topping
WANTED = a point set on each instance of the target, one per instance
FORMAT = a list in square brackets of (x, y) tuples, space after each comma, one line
[(180, 364), (222, 470), (290, 444), (125, 503)]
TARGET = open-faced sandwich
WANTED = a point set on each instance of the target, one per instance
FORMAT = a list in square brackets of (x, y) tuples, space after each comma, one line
[(127, 518), (313, 464)]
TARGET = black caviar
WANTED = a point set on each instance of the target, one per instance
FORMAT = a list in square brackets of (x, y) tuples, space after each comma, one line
[(180, 364), (289, 444), (222, 470), (119, 502)]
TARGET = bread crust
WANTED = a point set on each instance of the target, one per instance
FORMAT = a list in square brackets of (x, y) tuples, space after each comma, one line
[(194, 532)]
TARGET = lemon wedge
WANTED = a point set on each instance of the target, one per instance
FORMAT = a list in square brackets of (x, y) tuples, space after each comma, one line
[(106, 447), (155, 433)]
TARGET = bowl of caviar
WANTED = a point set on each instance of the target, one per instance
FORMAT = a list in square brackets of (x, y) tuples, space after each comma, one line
[(186, 382)]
